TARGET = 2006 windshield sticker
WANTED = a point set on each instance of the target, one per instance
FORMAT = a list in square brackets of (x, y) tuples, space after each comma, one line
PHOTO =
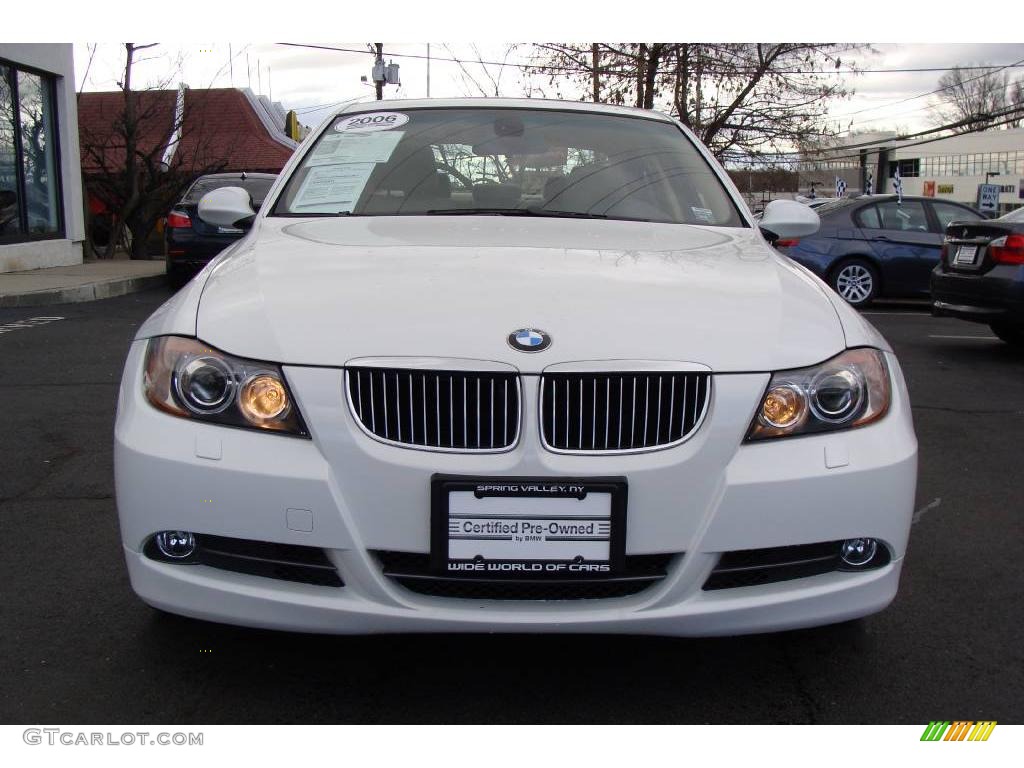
[(371, 121)]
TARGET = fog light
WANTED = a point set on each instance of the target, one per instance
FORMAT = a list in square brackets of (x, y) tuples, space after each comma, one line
[(176, 544), (858, 552)]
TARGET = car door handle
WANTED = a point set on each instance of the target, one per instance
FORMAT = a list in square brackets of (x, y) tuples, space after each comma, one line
[(884, 238)]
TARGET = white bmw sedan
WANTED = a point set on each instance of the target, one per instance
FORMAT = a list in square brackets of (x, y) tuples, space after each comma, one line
[(511, 365)]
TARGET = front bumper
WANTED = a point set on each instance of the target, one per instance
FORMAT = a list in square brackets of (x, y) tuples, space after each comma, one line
[(707, 496)]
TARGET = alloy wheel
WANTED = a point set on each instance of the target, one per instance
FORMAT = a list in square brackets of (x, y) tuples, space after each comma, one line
[(855, 283)]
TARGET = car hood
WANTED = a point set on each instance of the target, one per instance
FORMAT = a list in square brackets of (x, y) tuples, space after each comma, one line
[(325, 291)]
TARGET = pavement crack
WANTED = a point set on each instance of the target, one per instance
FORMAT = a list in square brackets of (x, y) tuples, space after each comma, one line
[(56, 464), (933, 504), (971, 411)]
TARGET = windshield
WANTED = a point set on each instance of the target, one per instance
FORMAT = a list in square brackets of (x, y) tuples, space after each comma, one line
[(256, 187), (515, 162), (834, 204), (1014, 216)]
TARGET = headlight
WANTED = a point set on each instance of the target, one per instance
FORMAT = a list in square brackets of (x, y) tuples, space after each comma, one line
[(187, 378), (849, 390)]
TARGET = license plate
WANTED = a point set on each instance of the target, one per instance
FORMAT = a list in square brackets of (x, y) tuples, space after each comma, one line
[(527, 527), (229, 231), (966, 254)]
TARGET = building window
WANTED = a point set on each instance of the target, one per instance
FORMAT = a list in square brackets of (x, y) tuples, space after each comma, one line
[(10, 221), (29, 178), (908, 168)]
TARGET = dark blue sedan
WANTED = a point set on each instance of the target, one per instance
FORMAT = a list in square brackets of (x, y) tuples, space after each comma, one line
[(873, 246), (190, 242)]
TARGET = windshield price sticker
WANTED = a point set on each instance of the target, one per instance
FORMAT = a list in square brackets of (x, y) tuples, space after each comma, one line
[(355, 147), (371, 121), (332, 188)]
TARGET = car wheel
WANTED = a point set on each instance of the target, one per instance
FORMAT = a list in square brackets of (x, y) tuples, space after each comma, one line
[(1013, 335), (856, 281)]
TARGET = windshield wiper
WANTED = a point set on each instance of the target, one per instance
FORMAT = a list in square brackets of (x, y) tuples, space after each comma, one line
[(540, 212), (317, 214)]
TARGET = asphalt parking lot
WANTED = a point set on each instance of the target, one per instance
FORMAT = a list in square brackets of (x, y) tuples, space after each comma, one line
[(78, 647)]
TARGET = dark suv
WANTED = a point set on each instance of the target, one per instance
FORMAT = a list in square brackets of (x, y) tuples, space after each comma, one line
[(874, 246), (191, 243)]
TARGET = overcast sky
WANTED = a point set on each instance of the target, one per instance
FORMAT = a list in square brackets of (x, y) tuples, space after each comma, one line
[(305, 79)]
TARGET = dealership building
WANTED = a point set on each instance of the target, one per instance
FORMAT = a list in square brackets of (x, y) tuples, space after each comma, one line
[(950, 168), (41, 216)]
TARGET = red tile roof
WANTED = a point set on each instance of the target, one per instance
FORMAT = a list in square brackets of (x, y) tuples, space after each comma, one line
[(220, 130)]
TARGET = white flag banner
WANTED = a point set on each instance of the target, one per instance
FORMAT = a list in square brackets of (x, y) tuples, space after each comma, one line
[(897, 184), (869, 184), (840, 187)]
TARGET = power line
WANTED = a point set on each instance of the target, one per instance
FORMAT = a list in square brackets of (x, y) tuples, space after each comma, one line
[(1015, 110), (989, 71), (343, 102), (967, 121), (1011, 115), (584, 70)]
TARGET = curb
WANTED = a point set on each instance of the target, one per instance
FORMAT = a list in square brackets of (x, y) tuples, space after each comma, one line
[(107, 289)]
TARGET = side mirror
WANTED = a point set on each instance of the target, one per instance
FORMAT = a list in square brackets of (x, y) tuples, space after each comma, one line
[(786, 220), (227, 207)]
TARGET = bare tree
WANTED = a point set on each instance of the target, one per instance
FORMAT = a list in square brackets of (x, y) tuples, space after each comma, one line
[(1016, 101), (124, 158), (479, 77), (737, 97), (970, 97)]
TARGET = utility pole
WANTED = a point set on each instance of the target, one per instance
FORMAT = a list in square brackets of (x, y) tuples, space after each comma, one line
[(231, 65), (428, 70), (379, 83), (595, 55)]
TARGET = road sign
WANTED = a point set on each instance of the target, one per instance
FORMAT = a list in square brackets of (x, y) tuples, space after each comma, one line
[(988, 198)]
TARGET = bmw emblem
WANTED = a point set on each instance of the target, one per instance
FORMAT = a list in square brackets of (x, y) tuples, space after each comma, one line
[(529, 340)]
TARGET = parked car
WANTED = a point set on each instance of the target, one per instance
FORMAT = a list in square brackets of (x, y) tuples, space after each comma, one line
[(191, 243), (980, 276), (873, 246), (511, 365), (815, 202)]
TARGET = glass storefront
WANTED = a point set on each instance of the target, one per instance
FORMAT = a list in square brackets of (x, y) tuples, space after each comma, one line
[(10, 220), (29, 172)]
